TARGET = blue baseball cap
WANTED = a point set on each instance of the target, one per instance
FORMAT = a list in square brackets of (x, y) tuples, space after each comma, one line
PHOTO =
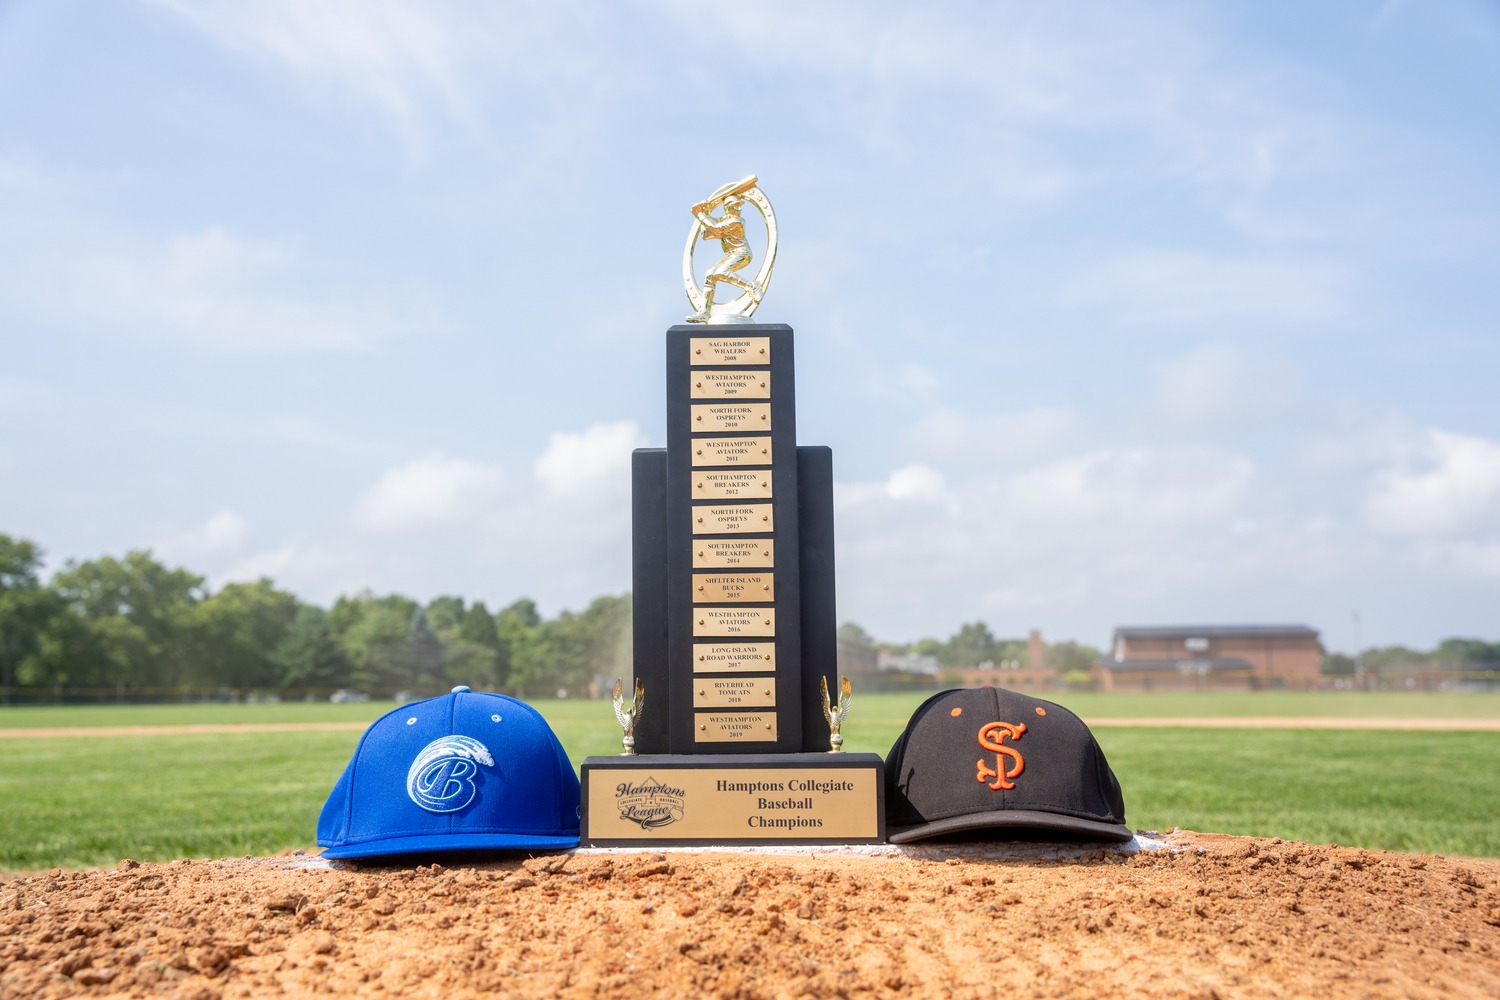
[(468, 771)]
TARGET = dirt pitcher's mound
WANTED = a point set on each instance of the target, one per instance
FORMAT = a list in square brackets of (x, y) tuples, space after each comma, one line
[(1212, 917)]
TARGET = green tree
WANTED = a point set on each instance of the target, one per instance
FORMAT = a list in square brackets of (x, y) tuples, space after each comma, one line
[(571, 650), (444, 615), (856, 647), (518, 617), (854, 635), (471, 652), (972, 644), (1337, 664), (236, 632), (309, 654), (141, 625), (372, 634), (1458, 651), (26, 608), (1386, 658), (513, 628), (1070, 657), (478, 627), (422, 653)]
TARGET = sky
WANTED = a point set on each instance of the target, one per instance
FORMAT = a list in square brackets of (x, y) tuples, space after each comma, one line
[(1113, 313)]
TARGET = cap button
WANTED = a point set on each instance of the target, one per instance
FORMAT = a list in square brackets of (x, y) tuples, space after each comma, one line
[(461, 688)]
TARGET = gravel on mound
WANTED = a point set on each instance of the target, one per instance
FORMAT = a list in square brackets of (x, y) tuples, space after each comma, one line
[(1211, 916)]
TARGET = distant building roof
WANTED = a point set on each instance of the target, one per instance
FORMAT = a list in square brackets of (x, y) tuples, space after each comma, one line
[(1202, 665), (1211, 631)]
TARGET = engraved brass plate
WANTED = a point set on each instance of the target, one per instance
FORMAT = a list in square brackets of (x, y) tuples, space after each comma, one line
[(746, 622), (729, 351), (734, 692), (730, 803), (723, 657), (730, 385), (731, 417), (723, 727), (741, 588), (731, 451), (726, 485), (722, 519), (711, 553)]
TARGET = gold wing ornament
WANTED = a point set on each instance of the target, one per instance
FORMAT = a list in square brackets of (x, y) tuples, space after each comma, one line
[(629, 715), (836, 714)]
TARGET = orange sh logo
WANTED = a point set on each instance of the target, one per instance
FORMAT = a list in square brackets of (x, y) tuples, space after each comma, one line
[(989, 738)]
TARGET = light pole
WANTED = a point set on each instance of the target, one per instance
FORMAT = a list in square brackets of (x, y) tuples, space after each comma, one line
[(1359, 663)]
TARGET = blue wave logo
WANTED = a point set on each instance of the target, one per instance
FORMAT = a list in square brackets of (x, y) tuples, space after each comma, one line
[(441, 779)]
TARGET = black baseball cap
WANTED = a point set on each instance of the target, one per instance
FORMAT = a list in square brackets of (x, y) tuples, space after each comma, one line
[(987, 758)]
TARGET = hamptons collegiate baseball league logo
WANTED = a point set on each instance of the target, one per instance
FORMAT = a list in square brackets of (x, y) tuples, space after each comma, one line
[(990, 738), (650, 804), (441, 779)]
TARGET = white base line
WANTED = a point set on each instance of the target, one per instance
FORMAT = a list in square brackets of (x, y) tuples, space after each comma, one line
[(207, 729), (1295, 722)]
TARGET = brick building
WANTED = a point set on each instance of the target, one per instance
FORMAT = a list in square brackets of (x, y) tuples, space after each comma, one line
[(1032, 676), (1211, 658)]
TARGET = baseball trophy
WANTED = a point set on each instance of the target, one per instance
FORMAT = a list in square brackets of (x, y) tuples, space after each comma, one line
[(628, 715), (733, 589), (835, 714)]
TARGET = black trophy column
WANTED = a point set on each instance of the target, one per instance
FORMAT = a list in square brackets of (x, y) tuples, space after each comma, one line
[(734, 632)]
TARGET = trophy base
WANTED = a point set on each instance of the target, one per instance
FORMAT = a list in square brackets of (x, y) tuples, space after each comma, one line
[(752, 799)]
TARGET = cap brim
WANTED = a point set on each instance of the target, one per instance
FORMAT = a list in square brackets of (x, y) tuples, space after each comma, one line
[(1029, 819), (451, 842)]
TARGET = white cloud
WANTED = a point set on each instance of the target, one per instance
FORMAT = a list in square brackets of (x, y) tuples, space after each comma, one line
[(264, 564), (1109, 524), (957, 439), (1162, 285), (392, 54), (577, 463), (910, 382), (1451, 482), (209, 290), (434, 491), (1220, 386), (914, 482), (1129, 488), (441, 519), (1475, 558), (1024, 77), (223, 533)]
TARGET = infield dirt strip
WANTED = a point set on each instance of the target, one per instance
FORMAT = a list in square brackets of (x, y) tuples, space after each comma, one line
[(1208, 916)]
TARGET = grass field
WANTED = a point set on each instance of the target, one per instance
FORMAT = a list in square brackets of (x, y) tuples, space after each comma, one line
[(1351, 704), (78, 802)]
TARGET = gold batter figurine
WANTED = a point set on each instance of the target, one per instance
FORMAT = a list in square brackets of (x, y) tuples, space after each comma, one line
[(729, 230)]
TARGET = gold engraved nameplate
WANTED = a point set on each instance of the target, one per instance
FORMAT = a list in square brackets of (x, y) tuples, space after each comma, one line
[(717, 727), (741, 588), (731, 451), (729, 351), (722, 519), (734, 657), (746, 622), (723, 485), (715, 553), (718, 804), (730, 385), (734, 692), (731, 417)]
